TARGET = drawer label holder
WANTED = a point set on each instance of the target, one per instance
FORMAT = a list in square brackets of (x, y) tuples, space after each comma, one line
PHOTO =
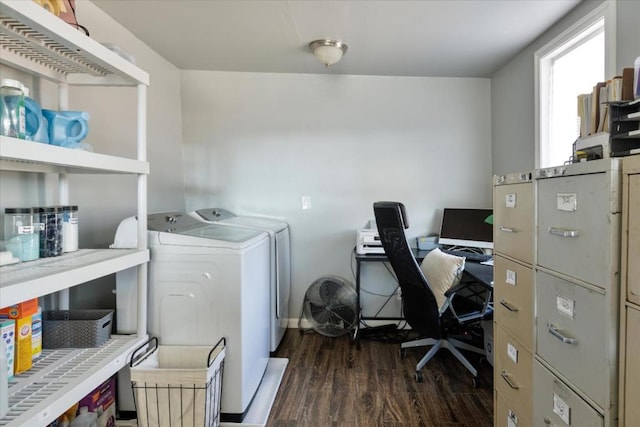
[(561, 409), (567, 202), (565, 306)]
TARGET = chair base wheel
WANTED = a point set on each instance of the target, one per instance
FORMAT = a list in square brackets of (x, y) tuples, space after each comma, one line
[(419, 377)]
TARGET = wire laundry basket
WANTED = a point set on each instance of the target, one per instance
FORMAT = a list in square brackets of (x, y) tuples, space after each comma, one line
[(177, 385)]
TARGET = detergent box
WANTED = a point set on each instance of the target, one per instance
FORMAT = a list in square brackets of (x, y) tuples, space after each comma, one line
[(102, 401), (8, 333), (23, 309), (24, 346)]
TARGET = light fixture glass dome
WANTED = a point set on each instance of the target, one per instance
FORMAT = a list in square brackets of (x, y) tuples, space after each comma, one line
[(328, 51)]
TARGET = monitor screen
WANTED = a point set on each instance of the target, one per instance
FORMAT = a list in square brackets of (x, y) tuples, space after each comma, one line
[(467, 228)]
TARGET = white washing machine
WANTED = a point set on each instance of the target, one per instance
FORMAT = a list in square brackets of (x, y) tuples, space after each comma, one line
[(280, 261), (206, 281)]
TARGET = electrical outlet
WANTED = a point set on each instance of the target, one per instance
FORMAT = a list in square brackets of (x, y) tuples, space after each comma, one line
[(306, 202)]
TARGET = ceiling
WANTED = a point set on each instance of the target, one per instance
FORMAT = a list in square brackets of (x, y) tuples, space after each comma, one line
[(452, 38)]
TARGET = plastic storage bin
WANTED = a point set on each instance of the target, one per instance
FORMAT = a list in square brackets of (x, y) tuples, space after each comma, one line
[(177, 385), (75, 328)]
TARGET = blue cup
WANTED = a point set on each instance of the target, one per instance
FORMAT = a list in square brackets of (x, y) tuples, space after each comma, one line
[(36, 128), (66, 128)]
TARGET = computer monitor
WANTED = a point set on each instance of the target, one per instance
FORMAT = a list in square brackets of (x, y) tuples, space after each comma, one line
[(469, 228)]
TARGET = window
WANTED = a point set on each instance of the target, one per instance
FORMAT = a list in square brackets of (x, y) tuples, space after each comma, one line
[(569, 65)]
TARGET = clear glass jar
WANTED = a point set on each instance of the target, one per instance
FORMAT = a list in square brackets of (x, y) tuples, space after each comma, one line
[(12, 111), (21, 232), (69, 228), (50, 231)]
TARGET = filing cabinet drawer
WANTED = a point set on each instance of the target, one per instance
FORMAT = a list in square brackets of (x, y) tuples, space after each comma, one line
[(512, 368), (633, 241), (513, 221), (632, 369), (570, 333), (505, 416), (555, 404), (577, 231), (513, 299)]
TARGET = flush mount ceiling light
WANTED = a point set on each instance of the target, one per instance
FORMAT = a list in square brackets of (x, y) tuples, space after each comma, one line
[(328, 51)]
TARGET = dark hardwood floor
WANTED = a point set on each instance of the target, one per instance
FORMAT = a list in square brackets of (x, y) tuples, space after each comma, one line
[(329, 382)]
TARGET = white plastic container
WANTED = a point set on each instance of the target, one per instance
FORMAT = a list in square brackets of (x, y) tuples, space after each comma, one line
[(21, 231), (69, 228)]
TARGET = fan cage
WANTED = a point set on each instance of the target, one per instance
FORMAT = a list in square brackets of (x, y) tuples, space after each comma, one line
[(330, 306)]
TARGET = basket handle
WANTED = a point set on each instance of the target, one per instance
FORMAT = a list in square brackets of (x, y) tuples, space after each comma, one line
[(210, 360), (149, 347), (107, 323)]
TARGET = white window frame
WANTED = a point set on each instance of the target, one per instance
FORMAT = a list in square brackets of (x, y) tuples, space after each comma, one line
[(606, 11)]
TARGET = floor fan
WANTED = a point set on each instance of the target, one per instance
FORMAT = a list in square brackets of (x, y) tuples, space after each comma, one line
[(330, 307)]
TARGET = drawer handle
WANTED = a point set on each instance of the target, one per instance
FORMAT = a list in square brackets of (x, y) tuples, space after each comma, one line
[(554, 331), (506, 229), (508, 306), (507, 379), (562, 232)]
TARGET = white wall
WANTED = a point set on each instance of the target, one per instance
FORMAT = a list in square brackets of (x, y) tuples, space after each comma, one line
[(512, 87), (256, 142)]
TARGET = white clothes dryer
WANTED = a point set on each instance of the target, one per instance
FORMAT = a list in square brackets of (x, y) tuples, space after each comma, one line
[(280, 262), (208, 281)]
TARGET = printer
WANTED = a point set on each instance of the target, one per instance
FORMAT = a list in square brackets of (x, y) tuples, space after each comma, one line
[(368, 239)]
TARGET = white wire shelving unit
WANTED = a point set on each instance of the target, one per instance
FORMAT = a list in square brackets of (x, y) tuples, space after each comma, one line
[(36, 42)]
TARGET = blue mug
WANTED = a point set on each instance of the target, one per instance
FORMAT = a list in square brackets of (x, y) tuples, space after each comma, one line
[(36, 128), (66, 128)]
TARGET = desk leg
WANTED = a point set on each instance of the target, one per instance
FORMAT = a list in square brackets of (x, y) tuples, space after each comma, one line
[(354, 336)]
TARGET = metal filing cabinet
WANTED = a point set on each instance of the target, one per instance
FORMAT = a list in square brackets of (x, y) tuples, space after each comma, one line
[(514, 219), (630, 295), (577, 294), (557, 404)]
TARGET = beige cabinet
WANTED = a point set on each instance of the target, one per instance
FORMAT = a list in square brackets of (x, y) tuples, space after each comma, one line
[(513, 365), (577, 294), (630, 301), (577, 232), (630, 384), (513, 220), (557, 404), (632, 247), (504, 416), (513, 299), (514, 251)]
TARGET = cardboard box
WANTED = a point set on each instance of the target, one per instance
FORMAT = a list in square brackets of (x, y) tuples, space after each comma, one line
[(24, 346), (102, 401), (36, 334), (23, 309), (8, 334)]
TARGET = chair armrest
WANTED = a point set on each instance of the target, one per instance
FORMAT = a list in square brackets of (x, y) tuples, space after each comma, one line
[(464, 284), (481, 296)]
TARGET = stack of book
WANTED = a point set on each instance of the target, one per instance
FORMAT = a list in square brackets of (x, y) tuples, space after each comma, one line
[(593, 108)]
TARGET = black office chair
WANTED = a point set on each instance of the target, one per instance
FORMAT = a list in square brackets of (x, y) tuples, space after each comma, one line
[(436, 325)]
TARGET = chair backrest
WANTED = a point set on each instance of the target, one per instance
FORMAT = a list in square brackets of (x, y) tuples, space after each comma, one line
[(418, 302)]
